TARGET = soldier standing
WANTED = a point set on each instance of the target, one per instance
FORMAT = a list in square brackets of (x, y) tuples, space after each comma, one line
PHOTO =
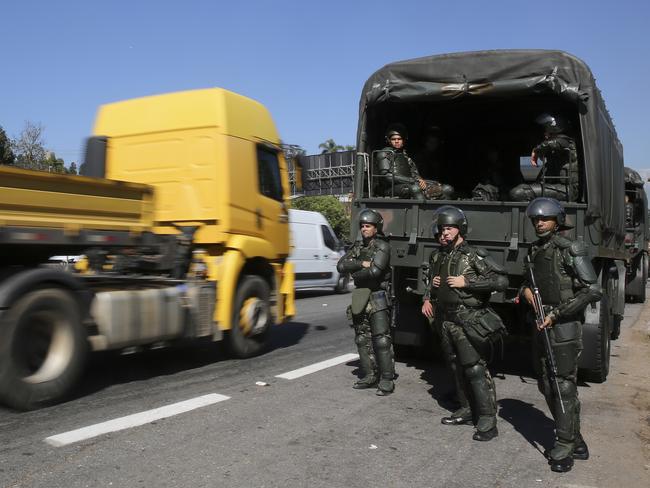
[(369, 264), (559, 176), (398, 173), (462, 278), (567, 284)]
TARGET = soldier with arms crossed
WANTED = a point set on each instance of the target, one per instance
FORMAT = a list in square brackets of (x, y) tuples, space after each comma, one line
[(369, 264)]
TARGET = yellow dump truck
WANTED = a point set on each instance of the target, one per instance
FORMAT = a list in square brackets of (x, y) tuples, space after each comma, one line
[(181, 214)]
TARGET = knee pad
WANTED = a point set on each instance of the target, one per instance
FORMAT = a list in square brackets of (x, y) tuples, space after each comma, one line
[(567, 388), (475, 371), (362, 340), (382, 343)]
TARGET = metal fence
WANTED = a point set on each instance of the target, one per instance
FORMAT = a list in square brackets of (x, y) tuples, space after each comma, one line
[(326, 174)]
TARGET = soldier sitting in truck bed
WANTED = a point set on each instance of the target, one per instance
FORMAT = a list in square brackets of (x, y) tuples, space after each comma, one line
[(396, 173), (559, 176)]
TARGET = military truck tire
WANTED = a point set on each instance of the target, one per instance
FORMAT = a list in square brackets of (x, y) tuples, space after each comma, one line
[(342, 284), (596, 337), (43, 348), (251, 319)]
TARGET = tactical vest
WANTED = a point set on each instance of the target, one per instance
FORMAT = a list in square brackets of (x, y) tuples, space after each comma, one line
[(401, 165), (456, 263), (555, 285)]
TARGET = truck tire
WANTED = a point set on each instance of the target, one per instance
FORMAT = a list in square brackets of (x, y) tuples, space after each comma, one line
[(43, 348), (596, 337), (252, 318), (342, 284)]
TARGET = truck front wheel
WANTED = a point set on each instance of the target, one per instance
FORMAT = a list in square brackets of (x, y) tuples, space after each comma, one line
[(42, 349), (252, 317)]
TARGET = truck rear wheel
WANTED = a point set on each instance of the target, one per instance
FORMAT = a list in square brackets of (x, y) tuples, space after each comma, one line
[(42, 349), (252, 317), (594, 361)]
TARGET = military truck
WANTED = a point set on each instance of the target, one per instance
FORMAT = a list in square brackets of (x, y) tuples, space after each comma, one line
[(181, 214), (636, 237), (481, 103)]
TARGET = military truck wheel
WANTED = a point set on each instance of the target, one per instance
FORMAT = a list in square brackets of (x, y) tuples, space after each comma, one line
[(42, 349), (342, 284), (251, 319), (594, 360)]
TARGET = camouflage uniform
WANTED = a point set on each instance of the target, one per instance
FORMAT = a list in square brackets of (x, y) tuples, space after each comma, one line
[(398, 174), (567, 283), (468, 328), (370, 311), (559, 176)]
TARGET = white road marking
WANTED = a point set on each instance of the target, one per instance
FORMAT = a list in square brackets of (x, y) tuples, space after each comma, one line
[(297, 373), (134, 420)]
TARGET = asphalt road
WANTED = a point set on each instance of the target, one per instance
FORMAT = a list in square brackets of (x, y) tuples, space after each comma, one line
[(315, 430)]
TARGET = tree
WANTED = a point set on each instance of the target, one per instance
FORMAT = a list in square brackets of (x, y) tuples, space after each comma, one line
[(331, 208), (350, 148), (7, 156), (54, 164), (329, 146), (29, 147), (73, 168)]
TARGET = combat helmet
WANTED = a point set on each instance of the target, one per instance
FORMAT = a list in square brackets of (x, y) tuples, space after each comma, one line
[(450, 215), (396, 129), (370, 216), (553, 124), (548, 207)]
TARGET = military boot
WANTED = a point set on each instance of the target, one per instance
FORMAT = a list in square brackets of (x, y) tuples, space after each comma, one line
[(462, 416), (580, 451), (369, 381), (386, 385)]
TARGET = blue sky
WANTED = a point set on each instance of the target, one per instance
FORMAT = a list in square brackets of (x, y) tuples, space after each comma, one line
[(306, 61)]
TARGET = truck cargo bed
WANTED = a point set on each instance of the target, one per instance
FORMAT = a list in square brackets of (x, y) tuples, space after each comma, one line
[(71, 204)]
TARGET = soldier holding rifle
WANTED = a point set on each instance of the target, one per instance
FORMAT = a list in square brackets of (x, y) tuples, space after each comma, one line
[(565, 281)]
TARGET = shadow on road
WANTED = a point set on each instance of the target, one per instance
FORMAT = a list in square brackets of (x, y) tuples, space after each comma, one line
[(530, 422)]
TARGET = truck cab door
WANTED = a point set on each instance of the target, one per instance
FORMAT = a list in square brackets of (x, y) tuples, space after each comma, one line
[(271, 213)]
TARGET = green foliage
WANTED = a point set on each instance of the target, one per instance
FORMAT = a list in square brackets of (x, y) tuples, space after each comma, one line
[(329, 146), (6, 154), (30, 150), (72, 170), (333, 210)]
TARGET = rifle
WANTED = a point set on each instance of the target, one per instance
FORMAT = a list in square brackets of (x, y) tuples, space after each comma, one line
[(393, 300), (551, 367)]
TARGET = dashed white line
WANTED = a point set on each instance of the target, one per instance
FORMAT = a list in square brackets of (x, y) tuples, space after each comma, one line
[(134, 420), (297, 373)]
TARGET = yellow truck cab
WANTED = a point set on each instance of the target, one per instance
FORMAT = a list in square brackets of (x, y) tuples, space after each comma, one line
[(201, 247)]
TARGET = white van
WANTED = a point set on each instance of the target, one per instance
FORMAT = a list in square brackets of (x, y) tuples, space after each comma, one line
[(315, 251)]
